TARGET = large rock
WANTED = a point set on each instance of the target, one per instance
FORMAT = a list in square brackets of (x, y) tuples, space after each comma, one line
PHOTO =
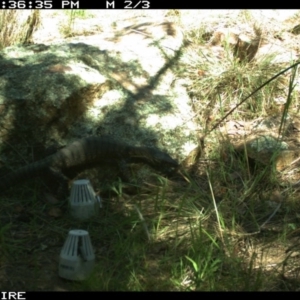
[(119, 85)]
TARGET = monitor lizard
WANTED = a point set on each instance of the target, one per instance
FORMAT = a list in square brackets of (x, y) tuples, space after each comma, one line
[(87, 153)]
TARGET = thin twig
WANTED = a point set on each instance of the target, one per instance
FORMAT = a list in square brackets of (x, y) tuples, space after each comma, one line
[(255, 91)]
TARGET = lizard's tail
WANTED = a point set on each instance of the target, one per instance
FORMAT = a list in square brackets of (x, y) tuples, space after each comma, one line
[(23, 174)]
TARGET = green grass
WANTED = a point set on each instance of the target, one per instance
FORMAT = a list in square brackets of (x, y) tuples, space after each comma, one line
[(67, 28)]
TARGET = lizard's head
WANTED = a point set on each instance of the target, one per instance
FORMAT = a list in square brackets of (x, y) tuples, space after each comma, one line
[(155, 158)]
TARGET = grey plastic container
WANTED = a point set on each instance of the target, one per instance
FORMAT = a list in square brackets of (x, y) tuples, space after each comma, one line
[(77, 258), (83, 200)]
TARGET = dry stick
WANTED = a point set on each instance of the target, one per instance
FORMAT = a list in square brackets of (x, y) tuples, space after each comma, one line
[(262, 225), (271, 216), (239, 104)]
